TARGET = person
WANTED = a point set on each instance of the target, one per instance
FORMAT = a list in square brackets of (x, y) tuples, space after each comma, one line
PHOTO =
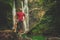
[(20, 18)]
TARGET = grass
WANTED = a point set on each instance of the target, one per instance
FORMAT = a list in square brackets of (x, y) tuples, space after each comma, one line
[(38, 37)]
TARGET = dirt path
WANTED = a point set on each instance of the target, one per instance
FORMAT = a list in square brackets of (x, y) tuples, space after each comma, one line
[(8, 35)]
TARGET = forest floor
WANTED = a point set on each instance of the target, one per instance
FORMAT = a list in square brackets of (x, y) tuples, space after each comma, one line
[(10, 35)]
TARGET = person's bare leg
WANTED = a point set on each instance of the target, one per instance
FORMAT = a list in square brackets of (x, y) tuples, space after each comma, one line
[(14, 28)]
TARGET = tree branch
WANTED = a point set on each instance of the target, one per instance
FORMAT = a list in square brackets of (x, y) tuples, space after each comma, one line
[(34, 9)]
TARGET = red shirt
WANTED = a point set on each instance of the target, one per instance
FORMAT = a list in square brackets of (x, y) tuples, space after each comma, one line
[(20, 16)]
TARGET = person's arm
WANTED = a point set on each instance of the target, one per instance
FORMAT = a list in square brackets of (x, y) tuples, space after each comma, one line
[(24, 16), (17, 17)]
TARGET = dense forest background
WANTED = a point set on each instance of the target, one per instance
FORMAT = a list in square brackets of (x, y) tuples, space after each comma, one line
[(43, 16)]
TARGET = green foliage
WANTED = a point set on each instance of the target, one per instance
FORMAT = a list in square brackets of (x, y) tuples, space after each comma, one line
[(43, 25), (10, 2), (40, 25), (40, 37), (8, 11)]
